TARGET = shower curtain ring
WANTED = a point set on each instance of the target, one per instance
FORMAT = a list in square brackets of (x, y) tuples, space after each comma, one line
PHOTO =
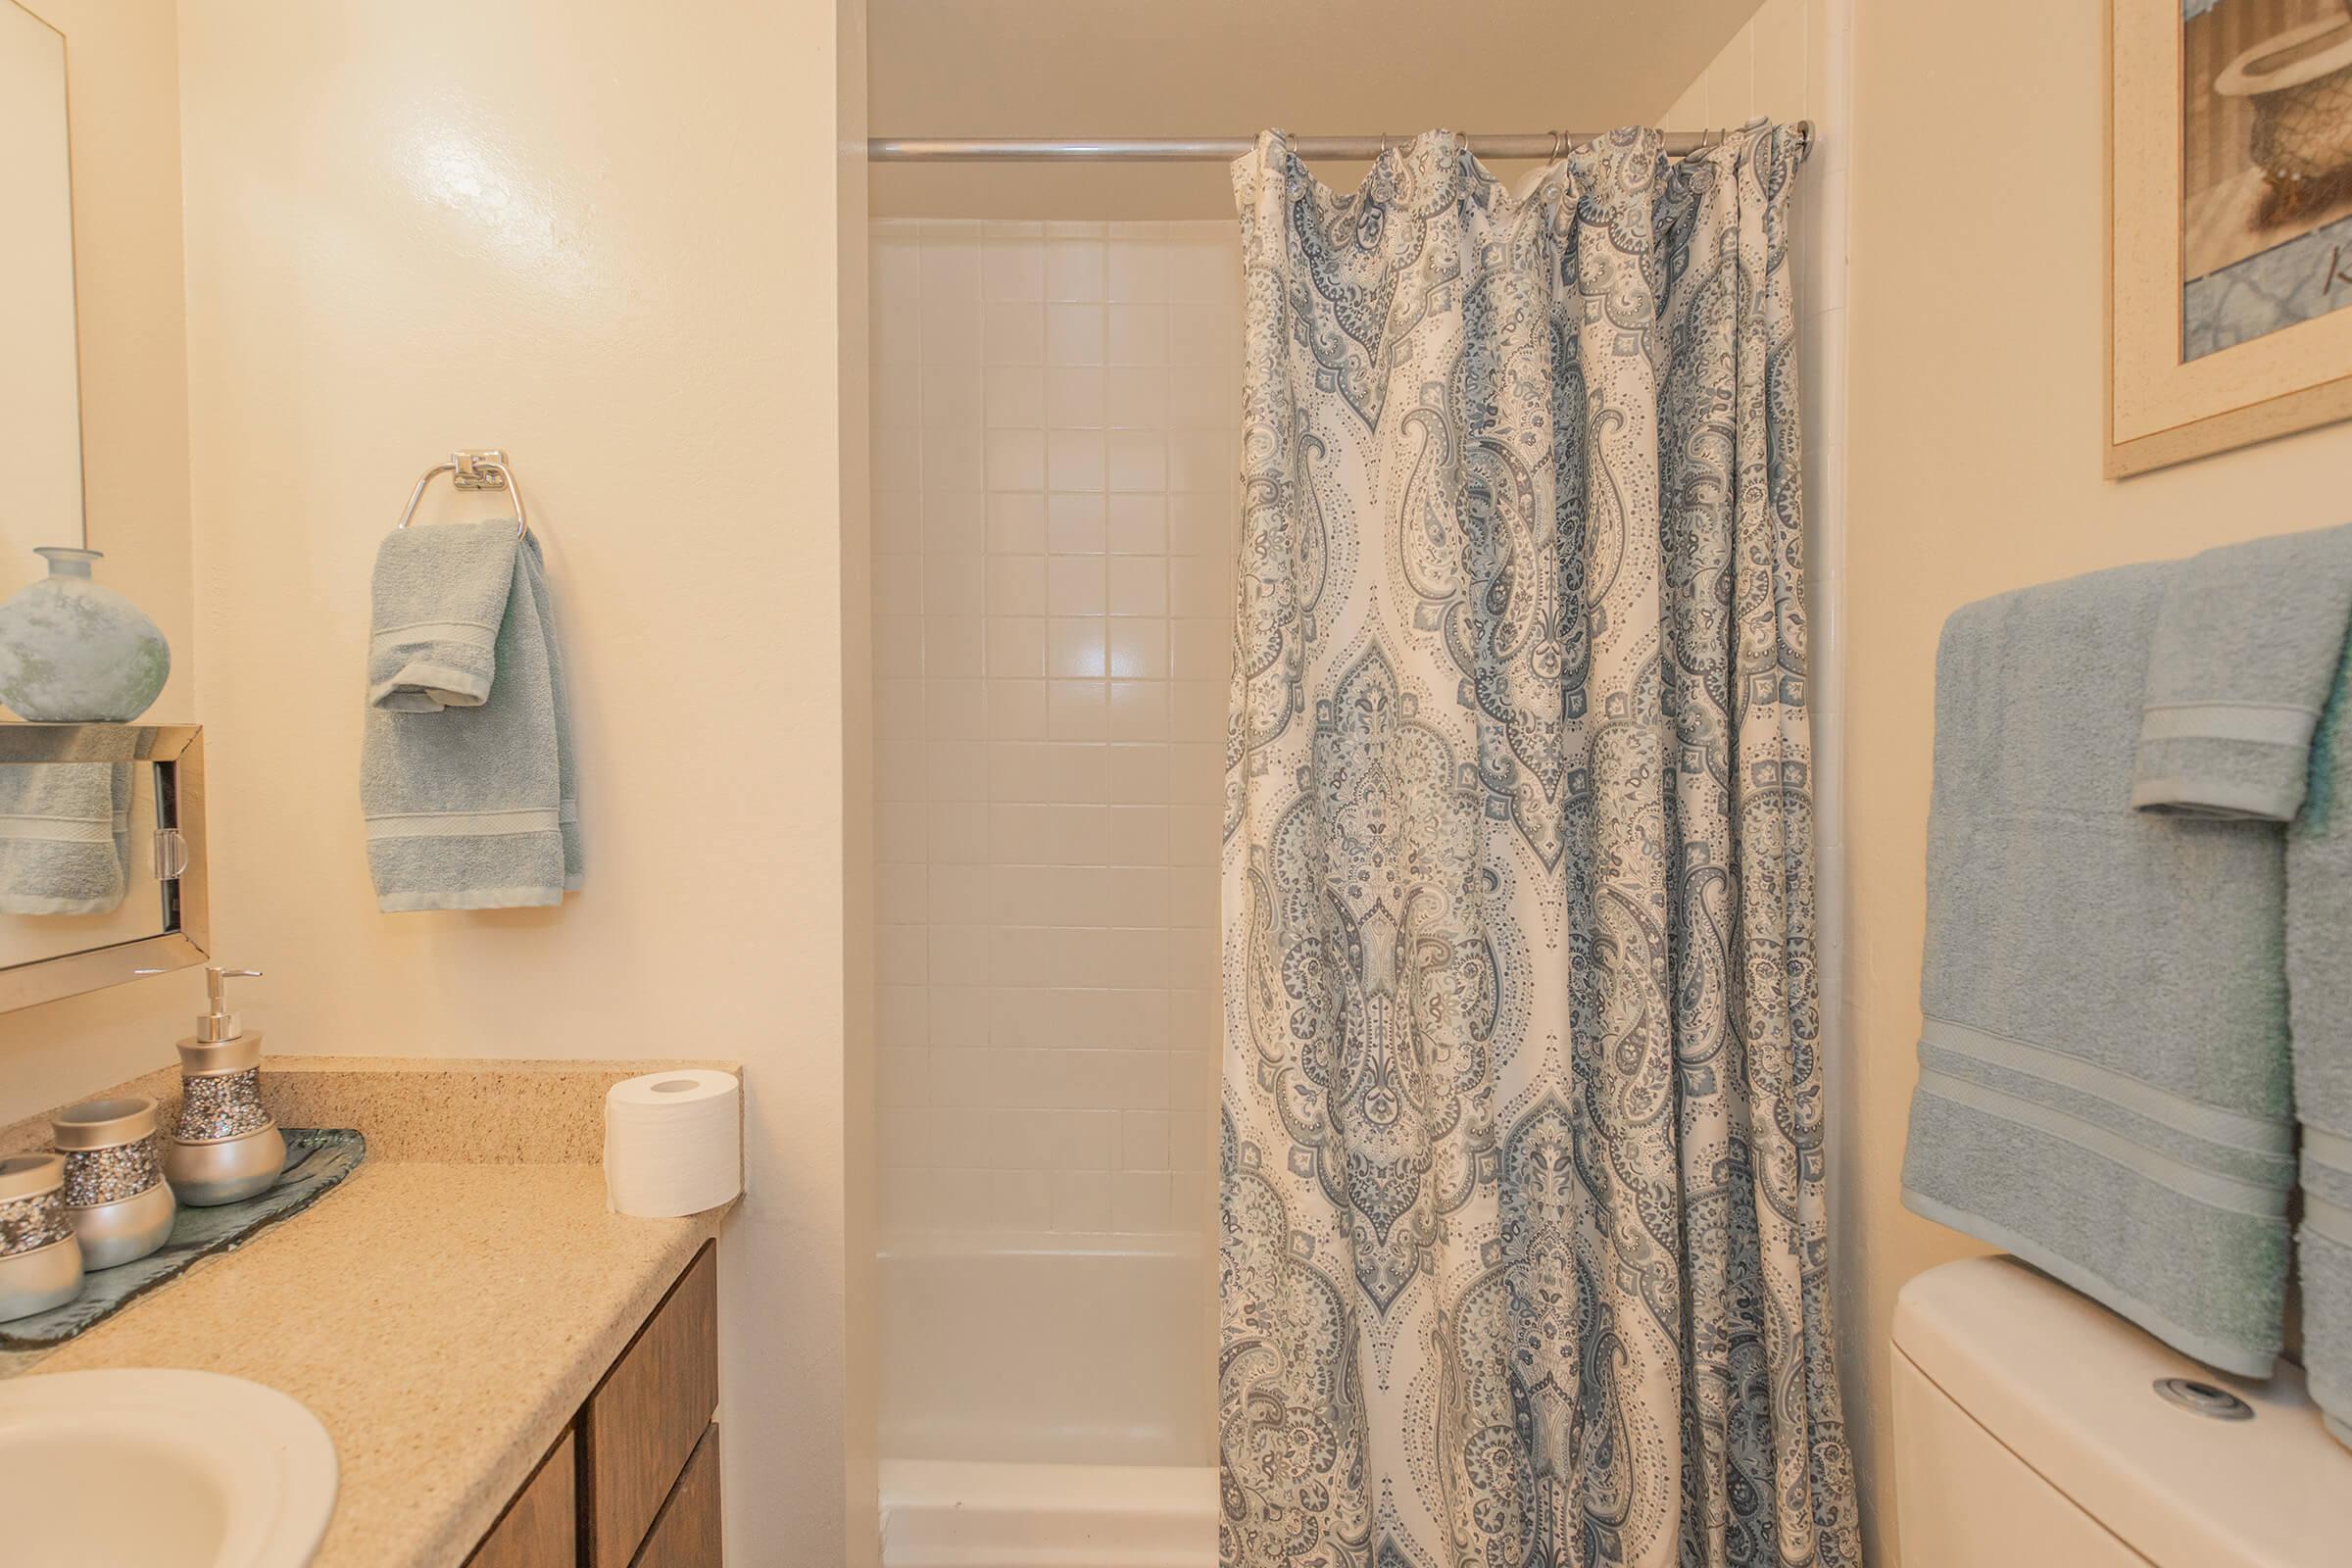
[(1559, 145)]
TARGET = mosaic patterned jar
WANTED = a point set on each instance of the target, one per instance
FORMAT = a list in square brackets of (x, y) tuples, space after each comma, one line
[(226, 1146), (115, 1190), (40, 1262)]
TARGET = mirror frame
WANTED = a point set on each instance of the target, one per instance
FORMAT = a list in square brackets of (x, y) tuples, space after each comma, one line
[(177, 752)]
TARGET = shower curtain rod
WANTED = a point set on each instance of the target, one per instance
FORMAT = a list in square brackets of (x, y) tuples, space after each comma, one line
[(1222, 149)]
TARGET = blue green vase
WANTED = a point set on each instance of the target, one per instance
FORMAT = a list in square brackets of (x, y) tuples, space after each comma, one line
[(73, 652)]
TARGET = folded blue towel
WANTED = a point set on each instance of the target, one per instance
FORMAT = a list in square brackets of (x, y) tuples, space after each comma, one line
[(440, 599), (2243, 655), (2246, 718), (467, 775), (2103, 1069)]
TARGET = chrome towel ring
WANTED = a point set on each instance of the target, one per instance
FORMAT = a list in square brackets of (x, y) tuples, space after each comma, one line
[(474, 471)]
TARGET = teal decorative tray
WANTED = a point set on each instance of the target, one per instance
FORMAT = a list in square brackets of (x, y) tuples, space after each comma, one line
[(316, 1158)]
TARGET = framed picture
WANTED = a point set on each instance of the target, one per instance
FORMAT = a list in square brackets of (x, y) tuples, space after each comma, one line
[(2228, 225)]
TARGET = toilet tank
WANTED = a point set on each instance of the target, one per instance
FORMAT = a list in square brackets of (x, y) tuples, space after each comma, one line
[(2029, 1430)]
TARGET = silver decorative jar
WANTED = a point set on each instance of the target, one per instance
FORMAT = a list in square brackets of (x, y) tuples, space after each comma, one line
[(226, 1146), (116, 1195), (40, 1262), (73, 651)]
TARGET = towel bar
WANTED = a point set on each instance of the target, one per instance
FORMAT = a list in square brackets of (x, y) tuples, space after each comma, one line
[(474, 471)]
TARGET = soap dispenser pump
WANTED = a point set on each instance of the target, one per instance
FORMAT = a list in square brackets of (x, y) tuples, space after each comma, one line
[(225, 1146)]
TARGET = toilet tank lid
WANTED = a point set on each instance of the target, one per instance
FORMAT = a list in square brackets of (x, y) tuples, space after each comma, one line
[(2069, 1387)]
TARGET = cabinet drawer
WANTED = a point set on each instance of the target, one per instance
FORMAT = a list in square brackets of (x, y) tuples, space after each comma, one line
[(642, 1423), (541, 1525), (687, 1535)]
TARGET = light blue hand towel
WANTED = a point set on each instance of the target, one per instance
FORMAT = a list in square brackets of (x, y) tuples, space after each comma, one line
[(2247, 680), (2244, 657), (2104, 1073), (65, 837), (439, 598), (467, 773)]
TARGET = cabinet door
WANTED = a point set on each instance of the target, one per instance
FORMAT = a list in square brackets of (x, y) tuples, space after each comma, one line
[(540, 1528), (642, 1424), (686, 1535)]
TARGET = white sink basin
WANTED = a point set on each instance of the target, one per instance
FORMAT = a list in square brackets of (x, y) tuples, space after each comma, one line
[(163, 1469)]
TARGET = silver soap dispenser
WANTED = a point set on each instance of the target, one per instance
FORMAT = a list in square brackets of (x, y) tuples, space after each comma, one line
[(226, 1146)]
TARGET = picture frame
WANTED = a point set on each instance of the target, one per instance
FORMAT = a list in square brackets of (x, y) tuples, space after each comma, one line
[(2229, 225)]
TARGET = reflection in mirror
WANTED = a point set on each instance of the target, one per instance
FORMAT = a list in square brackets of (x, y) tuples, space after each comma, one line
[(102, 857), (41, 385), (77, 858)]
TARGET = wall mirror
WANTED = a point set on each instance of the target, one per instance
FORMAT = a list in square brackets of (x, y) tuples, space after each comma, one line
[(102, 855), (40, 382)]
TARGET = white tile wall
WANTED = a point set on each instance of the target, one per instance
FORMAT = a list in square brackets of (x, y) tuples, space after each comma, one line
[(1054, 409)]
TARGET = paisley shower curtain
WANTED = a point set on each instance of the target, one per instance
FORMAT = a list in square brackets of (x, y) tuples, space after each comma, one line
[(1523, 1236)]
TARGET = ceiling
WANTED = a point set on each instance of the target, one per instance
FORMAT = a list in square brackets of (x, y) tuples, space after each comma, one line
[(1066, 69)]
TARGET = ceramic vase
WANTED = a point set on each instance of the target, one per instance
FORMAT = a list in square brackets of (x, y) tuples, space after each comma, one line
[(73, 651)]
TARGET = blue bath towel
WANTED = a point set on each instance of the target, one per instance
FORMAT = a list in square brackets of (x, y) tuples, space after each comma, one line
[(2246, 718), (2103, 1079)]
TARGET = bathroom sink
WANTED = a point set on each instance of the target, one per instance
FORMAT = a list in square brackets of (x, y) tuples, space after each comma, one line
[(161, 1468)]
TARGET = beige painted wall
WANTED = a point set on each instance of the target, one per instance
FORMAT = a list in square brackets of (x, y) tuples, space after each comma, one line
[(122, 99), (1066, 69), (606, 237), (1975, 468)]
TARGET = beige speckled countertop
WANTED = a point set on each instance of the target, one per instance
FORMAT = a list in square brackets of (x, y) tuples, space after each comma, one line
[(443, 1320)]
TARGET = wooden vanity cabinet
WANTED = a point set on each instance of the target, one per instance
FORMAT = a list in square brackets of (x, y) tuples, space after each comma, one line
[(541, 1525), (685, 1534), (645, 1420), (633, 1482)]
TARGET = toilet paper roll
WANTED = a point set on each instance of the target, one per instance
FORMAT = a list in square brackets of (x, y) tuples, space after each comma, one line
[(674, 1142)]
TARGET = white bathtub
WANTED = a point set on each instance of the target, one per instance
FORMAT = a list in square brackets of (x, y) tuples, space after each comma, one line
[(1047, 1402)]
